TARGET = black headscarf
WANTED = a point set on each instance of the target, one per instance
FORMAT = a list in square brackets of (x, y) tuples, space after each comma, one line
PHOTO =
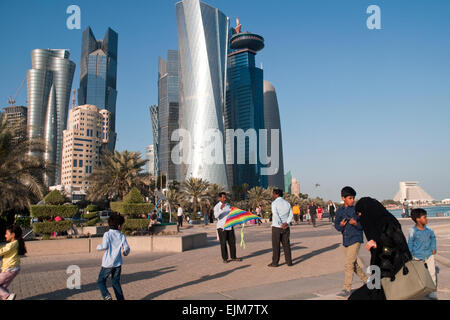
[(374, 218)]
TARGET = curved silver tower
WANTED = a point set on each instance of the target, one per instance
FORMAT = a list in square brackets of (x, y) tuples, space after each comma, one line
[(272, 121), (48, 84), (203, 46)]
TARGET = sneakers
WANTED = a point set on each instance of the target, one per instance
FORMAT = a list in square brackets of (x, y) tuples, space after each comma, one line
[(344, 294), (12, 296), (225, 261), (432, 296), (107, 298)]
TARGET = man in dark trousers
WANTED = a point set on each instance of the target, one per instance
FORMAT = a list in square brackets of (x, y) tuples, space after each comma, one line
[(313, 213), (281, 218), (221, 211)]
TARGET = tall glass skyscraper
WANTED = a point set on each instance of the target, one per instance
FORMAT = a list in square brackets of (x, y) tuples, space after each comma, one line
[(168, 111), (203, 46), (272, 122), (244, 108), (49, 83), (98, 75), (155, 130)]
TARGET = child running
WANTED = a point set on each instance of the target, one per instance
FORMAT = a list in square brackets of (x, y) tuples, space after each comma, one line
[(11, 260), (422, 243), (113, 242)]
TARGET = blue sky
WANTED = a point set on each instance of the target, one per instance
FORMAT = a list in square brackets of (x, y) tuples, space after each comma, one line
[(359, 107)]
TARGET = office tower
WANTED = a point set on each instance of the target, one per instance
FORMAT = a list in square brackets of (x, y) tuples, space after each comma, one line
[(98, 75), (87, 130), (16, 118), (155, 130), (272, 122), (203, 46), (48, 92), (168, 107), (288, 182), (295, 187), (244, 109), (150, 154)]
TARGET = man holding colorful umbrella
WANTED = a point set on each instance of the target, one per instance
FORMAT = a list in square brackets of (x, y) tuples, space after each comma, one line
[(221, 211), (281, 218)]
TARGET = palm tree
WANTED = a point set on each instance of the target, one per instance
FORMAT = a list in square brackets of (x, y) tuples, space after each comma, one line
[(259, 196), (21, 174), (194, 190), (213, 192), (118, 173)]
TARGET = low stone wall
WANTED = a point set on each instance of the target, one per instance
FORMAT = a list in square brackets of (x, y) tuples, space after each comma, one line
[(95, 230), (178, 243)]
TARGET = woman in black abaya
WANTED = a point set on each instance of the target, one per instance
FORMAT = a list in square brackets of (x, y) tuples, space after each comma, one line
[(386, 243)]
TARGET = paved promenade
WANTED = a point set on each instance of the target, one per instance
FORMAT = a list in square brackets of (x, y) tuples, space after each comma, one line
[(200, 274)]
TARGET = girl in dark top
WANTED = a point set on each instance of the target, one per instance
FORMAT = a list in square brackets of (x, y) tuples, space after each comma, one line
[(386, 242)]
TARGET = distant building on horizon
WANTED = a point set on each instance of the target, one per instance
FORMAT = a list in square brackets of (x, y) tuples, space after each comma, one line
[(87, 130), (288, 183), (244, 108), (272, 122), (203, 46), (168, 113), (16, 117), (155, 130), (98, 75), (411, 191), (49, 84)]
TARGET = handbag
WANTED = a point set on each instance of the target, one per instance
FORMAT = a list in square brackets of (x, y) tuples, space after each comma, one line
[(413, 281)]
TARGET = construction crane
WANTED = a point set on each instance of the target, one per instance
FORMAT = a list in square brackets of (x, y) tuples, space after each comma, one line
[(12, 101)]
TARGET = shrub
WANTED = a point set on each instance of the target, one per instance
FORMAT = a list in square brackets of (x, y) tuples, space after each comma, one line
[(49, 211), (92, 222), (132, 209), (23, 222), (91, 215), (46, 228), (134, 196), (92, 208), (135, 225), (55, 197)]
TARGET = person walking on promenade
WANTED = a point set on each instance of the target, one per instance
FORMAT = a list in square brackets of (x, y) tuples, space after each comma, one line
[(331, 211), (258, 213), (319, 212), (113, 243), (281, 218), (205, 213), (11, 253), (352, 233), (386, 243), (405, 209), (422, 243), (313, 213), (302, 213), (296, 212), (221, 211), (180, 216)]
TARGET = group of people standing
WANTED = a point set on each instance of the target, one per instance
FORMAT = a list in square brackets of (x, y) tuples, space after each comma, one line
[(313, 212)]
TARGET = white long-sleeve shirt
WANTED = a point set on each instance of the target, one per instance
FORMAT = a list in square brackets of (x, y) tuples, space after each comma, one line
[(221, 214), (281, 212)]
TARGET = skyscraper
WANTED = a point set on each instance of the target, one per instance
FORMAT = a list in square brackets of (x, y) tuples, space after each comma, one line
[(155, 130), (16, 117), (150, 154), (272, 121), (203, 46), (98, 75), (87, 129), (48, 92), (244, 107), (168, 110)]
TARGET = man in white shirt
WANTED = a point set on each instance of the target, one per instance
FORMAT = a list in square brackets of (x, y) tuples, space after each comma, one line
[(180, 216), (281, 218), (221, 211)]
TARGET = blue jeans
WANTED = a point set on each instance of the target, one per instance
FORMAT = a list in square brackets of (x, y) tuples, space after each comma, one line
[(115, 277), (206, 218)]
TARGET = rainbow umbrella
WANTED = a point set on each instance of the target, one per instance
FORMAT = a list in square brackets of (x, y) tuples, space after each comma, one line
[(238, 216)]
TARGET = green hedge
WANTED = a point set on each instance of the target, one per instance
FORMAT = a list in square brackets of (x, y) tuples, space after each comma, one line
[(23, 222), (49, 211), (134, 196), (135, 225), (92, 208), (46, 228), (91, 215), (132, 209), (55, 197), (92, 222)]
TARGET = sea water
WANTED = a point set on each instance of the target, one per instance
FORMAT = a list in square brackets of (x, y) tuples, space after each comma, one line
[(443, 211)]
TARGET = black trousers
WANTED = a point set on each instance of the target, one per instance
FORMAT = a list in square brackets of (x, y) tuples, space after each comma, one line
[(180, 221), (280, 235), (224, 237)]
